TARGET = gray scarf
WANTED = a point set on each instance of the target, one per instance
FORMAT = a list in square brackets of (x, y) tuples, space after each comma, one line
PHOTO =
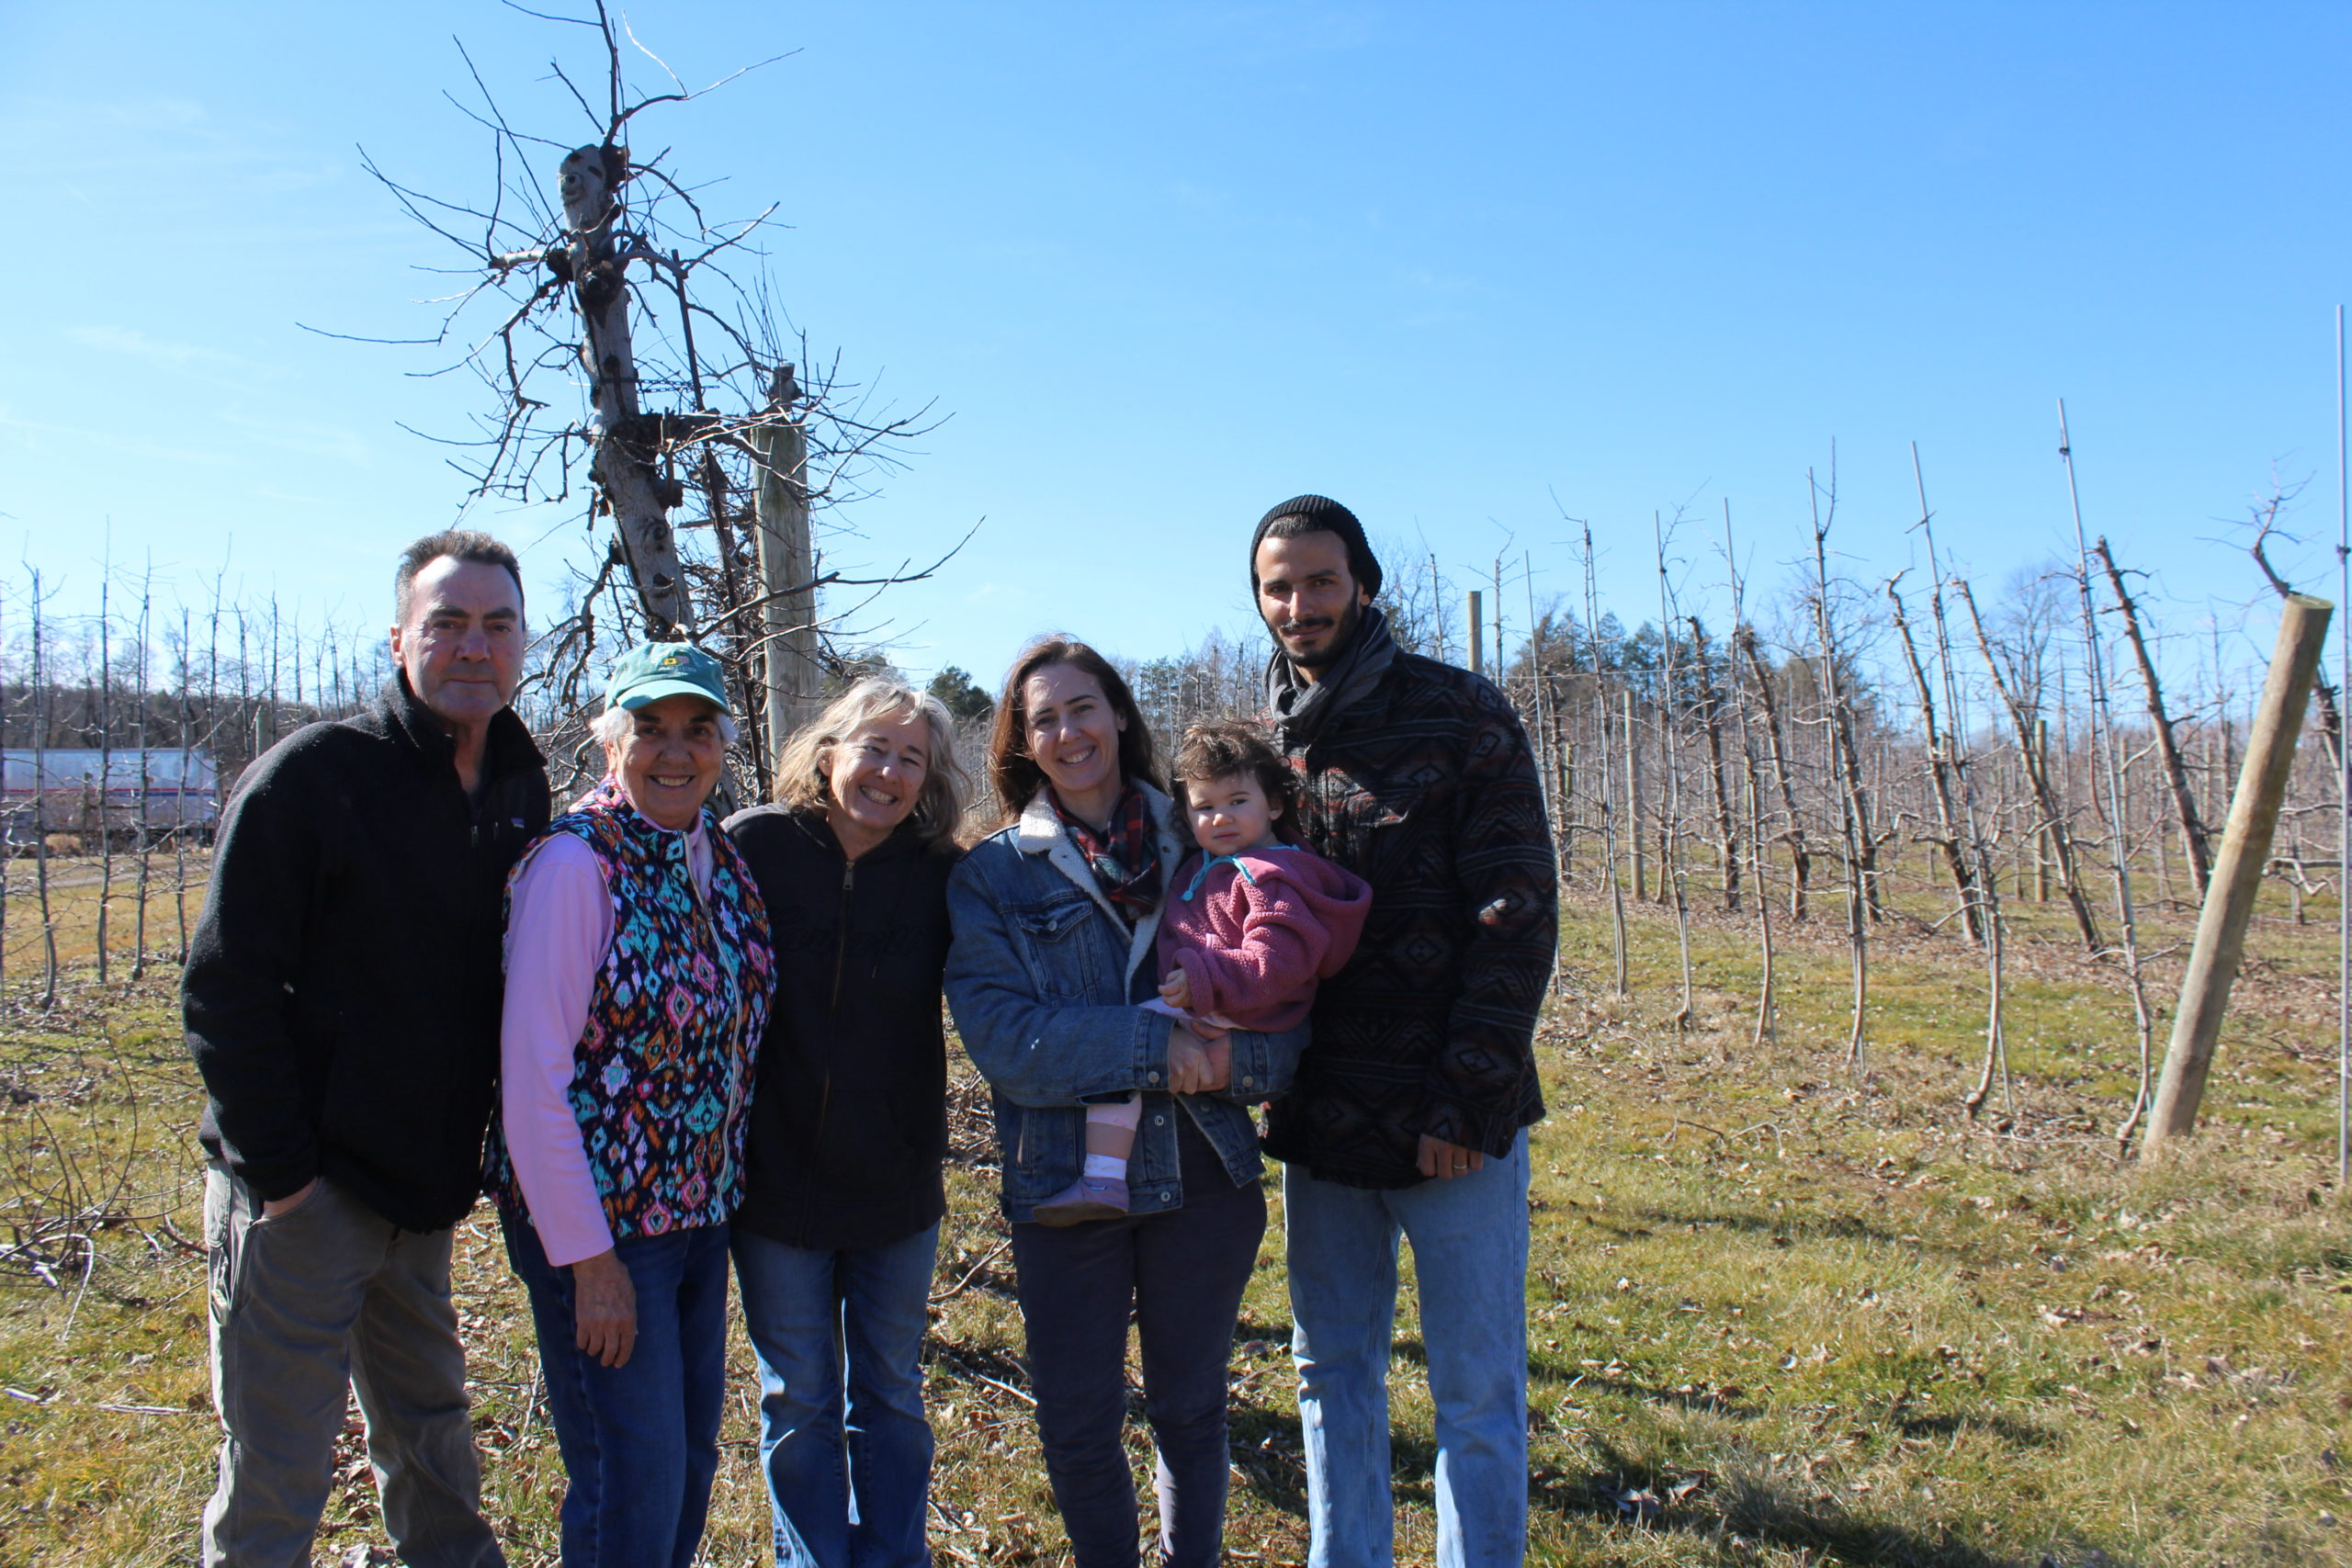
[(1300, 710)]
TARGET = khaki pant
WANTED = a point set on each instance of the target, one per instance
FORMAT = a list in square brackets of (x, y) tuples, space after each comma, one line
[(325, 1296)]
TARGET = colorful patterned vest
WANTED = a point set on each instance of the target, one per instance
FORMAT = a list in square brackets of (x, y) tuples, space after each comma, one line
[(662, 1075)]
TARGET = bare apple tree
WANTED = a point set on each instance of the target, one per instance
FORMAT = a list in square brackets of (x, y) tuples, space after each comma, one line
[(631, 348)]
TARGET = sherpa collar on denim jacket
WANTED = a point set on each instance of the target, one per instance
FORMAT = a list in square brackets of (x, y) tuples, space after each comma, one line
[(1040, 832)]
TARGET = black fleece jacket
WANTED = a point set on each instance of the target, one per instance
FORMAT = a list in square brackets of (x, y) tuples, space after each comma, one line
[(342, 986), (848, 1120)]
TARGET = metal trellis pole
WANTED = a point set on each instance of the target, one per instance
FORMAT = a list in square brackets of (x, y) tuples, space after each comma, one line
[(2343, 795)]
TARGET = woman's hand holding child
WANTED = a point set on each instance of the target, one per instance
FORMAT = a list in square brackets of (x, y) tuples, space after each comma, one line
[(1197, 1065)]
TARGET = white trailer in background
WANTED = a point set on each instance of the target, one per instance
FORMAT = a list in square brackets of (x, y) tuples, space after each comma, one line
[(131, 795)]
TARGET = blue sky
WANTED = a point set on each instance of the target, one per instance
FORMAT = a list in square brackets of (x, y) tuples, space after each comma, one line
[(1164, 265)]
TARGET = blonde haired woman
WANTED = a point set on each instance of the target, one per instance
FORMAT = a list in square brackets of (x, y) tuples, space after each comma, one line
[(839, 1228)]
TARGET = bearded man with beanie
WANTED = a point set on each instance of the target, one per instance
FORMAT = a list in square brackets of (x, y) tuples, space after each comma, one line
[(1410, 1112)]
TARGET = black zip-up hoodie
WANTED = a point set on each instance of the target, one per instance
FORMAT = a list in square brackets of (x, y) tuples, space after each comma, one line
[(342, 986), (849, 1121)]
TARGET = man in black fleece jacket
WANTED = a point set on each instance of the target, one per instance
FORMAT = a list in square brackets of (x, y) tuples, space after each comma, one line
[(342, 1002), (1410, 1110)]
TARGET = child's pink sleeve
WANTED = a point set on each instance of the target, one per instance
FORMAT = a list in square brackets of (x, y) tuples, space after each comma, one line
[(1266, 980)]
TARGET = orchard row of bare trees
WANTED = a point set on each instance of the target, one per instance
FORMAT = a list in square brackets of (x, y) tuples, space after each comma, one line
[(124, 719), (1926, 754), (1922, 753)]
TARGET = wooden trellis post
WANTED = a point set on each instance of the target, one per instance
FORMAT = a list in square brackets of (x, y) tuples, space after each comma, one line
[(2237, 871), (788, 569)]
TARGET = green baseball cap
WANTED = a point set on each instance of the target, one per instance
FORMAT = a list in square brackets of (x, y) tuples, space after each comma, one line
[(652, 670)]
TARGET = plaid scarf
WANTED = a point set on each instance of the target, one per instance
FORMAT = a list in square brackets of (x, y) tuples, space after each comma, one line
[(1300, 710), (1125, 860)]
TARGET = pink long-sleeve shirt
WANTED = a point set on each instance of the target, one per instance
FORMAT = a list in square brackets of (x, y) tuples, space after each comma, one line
[(559, 930), (1254, 947)]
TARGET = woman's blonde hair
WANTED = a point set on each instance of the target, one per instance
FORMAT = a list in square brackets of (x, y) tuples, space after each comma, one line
[(800, 776)]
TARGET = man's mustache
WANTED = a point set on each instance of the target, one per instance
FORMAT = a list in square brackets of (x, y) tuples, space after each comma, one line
[(1300, 628)]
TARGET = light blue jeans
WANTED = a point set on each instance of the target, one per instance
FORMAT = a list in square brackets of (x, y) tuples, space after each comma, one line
[(1469, 1236), (847, 1477)]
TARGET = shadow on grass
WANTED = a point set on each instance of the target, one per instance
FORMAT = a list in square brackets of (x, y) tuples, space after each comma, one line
[(1765, 1513), (1780, 1231), (1710, 1402), (1726, 1401), (1759, 1512), (2016, 1433), (1265, 1451), (1266, 1447)]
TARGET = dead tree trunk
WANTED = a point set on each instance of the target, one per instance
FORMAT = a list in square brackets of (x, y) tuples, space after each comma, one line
[(1848, 757), (628, 443), (1668, 828), (1620, 971), (1633, 828), (1670, 873), (2107, 752), (1940, 764), (146, 782), (1852, 822), (2183, 799), (1800, 861), (2044, 849), (106, 759), (1985, 891), (179, 812), (1711, 717), (1563, 785), (1765, 1002), (41, 808), (2037, 773)]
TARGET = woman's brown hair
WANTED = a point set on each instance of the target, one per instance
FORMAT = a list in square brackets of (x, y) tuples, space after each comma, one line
[(1013, 773), (1237, 749)]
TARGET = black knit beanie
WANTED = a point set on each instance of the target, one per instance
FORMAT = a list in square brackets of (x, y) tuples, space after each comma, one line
[(1328, 517)]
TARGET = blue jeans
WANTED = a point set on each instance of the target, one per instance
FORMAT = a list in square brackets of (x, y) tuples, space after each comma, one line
[(640, 1440), (846, 1481), (1469, 1236)]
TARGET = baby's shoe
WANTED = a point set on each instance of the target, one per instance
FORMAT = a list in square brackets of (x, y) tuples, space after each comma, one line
[(1087, 1198)]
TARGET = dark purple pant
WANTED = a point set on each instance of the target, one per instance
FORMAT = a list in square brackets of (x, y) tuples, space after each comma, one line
[(1183, 1274)]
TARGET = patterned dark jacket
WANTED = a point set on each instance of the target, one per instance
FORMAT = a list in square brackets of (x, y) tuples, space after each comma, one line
[(1425, 787)]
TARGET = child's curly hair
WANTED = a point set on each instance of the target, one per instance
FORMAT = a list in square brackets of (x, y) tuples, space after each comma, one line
[(1235, 747)]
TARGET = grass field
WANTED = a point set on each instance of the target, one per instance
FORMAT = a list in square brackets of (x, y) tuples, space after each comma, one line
[(1780, 1314)]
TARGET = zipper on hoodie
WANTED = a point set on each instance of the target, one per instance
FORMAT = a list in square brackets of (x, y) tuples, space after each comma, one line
[(840, 960), (840, 936)]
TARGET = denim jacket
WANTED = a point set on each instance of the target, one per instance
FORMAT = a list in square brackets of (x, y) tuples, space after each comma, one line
[(1044, 980)]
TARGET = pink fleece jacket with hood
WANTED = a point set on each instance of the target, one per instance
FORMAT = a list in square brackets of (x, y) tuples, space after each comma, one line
[(1260, 930)]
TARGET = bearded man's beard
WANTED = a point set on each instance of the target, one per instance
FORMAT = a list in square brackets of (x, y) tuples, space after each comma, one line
[(1343, 633)]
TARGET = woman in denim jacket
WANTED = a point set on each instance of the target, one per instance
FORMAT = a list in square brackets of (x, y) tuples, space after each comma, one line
[(1054, 917)]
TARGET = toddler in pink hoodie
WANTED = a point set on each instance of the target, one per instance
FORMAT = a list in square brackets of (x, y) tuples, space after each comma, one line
[(1249, 927)]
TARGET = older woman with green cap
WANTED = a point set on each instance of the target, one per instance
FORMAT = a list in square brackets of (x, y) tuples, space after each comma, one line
[(639, 975)]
